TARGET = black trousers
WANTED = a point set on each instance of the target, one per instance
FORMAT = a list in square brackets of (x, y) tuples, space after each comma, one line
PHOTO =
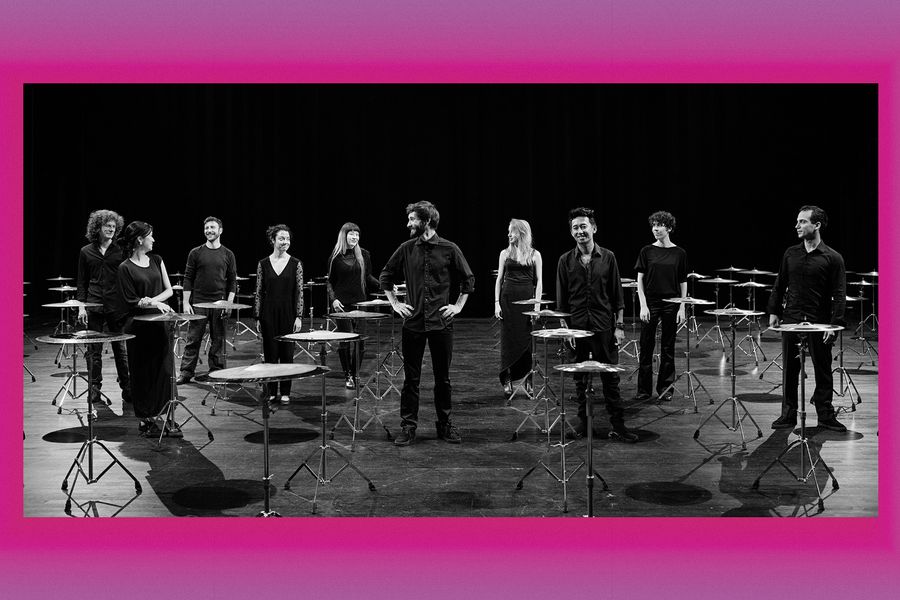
[(664, 313), (440, 343), (275, 351), (196, 329), (351, 354), (96, 322), (602, 348), (820, 355)]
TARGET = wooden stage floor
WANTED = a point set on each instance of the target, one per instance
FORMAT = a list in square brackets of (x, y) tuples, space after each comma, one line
[(667, 473)]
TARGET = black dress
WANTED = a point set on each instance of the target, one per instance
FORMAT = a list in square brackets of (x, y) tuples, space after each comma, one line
[(279, 300), (344, 284), (518, 283), (150, 359)]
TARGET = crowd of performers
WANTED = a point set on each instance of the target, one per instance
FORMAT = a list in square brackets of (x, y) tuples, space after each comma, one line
[(119, 271)]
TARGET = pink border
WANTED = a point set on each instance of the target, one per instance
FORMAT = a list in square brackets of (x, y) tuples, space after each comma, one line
[(378, 558)]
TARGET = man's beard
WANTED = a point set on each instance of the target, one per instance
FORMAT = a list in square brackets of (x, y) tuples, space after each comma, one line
[(416, 231)]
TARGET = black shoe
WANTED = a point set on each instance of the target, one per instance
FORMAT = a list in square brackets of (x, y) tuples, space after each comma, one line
[(833, 424), (184, 378), (149, 429), (623, 435), (642, 397), (350, 382), (407, 436), (448, 432), (785, 422)]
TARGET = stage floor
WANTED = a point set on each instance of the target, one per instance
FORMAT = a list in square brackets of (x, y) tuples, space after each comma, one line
[(667, 473)]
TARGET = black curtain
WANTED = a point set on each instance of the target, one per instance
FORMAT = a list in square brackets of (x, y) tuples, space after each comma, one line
[(732, 162)]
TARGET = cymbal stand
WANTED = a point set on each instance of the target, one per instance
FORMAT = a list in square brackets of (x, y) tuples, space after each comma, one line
[(395, 352), (773, 363), (691, 376), (167, 414), (737, 419), (240, 328), (807, 468), (374, 380), (873, 316), (755, 348), (536, 370), (717, 328), (63, 327), (70, 385), (495, 328), (868, 349), (86, 471), (565, 475), (543, 397), (691, 321), (220, 387), (633, 342), (845, 382), (321, 474), (24, 364)]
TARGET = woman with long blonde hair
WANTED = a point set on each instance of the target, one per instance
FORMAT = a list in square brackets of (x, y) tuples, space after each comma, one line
[(518, 278), (349, 278)]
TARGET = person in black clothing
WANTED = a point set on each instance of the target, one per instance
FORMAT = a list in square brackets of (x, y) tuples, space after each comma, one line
[(279, 303), (661, 273), (810, 287), (210, 275), (434, 268), (349, 277), (97, 265), (588, 286)]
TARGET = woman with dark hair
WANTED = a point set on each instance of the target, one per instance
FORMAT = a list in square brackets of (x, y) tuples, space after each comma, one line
[(349, 278), (518, 278), (142, 287), (279, 303), (661, 273)]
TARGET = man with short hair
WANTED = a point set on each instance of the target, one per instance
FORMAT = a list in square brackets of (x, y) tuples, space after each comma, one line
[(98, 263), (210, 275), (588, 286), (434, 268), (810, 287)]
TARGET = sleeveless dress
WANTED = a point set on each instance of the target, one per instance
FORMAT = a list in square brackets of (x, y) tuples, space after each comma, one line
[(279, 300), (519, 282)]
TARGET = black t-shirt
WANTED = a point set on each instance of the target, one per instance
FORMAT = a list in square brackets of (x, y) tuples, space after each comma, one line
[(664, 269)]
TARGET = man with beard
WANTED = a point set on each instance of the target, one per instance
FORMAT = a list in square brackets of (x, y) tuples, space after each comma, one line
[(588, 286), (98, 263), (810, 287), (434, 268), (210, 275)]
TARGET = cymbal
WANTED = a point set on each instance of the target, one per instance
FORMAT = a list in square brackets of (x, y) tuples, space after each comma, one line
[(805, 327), (223, 305), (358, 314), (312, 284), (561, 333), (750, 284), (630, 285), (169, 317), (26, 283), (863, 283), (627, 280), (60, 278), (693, 275), (247, 296), (547, 313), (589, 366), (63, 288), (319, 335), (755, 271), (397, 293), (178, 287), (869, 274), (252, 275), (688, 300), (84, 337), (855, 298), (718, 280), (376, 302), (176, 274), (731, 270), (239, 278), (322, 279), (533, 301), (72, 304), (266, 372), (734, 312)]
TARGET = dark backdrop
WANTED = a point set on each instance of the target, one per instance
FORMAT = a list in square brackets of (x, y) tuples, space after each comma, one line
[(732, 162)]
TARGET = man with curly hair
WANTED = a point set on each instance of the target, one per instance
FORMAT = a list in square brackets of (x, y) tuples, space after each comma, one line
[(98, 263)]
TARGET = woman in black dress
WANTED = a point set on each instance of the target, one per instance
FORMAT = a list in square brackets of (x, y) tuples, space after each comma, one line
[(142, 286), (661, 273), (518, 278), (349, 278), (279, 303)]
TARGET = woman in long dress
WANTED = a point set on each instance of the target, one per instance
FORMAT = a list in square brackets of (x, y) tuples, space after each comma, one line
[(518, 278), (142, 287), (349, 278), (279, 303)]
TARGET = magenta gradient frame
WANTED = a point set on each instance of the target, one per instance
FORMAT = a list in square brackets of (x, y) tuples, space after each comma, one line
[(448, 558)]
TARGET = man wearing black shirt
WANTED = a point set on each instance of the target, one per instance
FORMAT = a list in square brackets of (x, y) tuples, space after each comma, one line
[(210, 275), (433, 268), (588, 286), (810, 287), (98, 263)]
